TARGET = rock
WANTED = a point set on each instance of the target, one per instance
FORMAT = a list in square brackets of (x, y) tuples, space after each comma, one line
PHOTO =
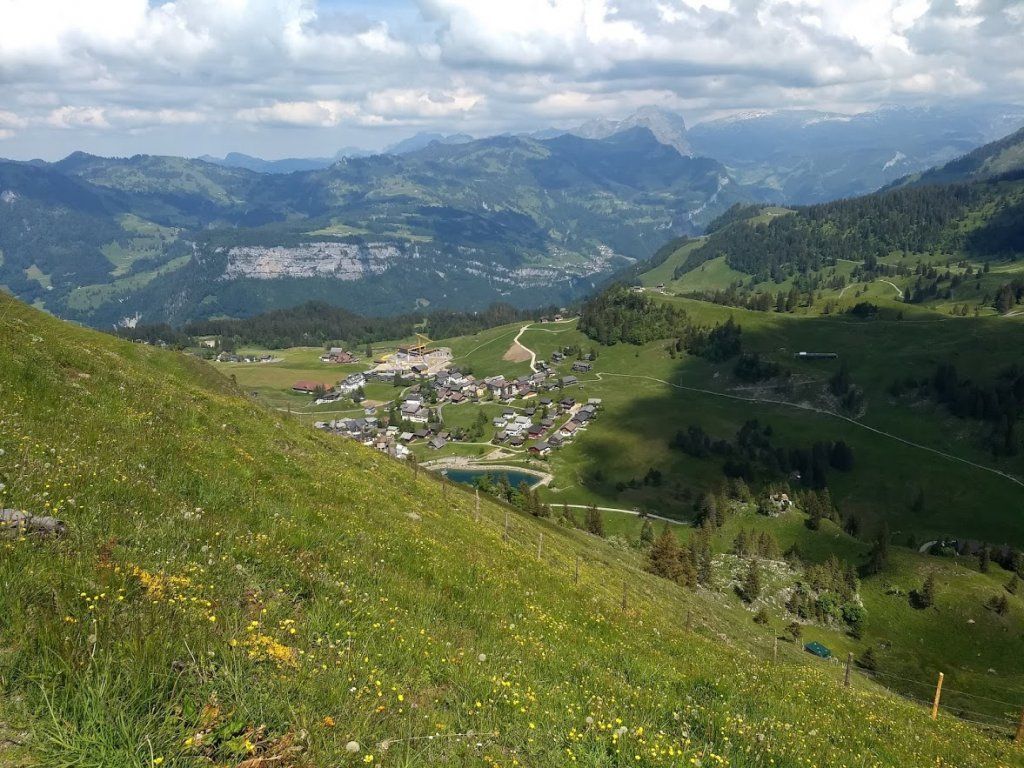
[(414, 516), (17, 522)]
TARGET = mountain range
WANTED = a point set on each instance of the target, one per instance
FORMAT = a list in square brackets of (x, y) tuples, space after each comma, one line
[(442, 220), (461, 224)]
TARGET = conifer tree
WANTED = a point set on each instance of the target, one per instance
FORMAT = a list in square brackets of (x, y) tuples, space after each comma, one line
[(752, 582), (594, 522), (665, 556), (647, 533)]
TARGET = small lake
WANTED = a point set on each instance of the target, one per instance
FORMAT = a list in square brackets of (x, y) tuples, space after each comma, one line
[(469, 476)]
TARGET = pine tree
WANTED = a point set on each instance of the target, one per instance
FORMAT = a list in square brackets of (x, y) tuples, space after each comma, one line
[(703, 555), (647, 533), (752, 582), (594, 522), (925, 598), (665, 556), (878, 558)]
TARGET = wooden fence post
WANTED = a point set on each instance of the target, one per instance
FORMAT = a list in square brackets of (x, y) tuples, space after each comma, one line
[(505, 534), (1020, 729), (576, 578), (849, 664), (540, 546), (623, 596), (476, 514), (938, 696)]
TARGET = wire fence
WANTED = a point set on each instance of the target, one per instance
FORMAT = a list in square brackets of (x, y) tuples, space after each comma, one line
[(595, 569)]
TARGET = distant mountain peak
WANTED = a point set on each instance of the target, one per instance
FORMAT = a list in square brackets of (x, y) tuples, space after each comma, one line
[(424, 139), (667, 127)]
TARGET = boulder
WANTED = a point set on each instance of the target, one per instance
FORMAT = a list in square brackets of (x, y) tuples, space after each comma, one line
[(17, 522)]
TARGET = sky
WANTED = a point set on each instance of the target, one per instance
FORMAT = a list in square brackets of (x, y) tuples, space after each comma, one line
[(302, 78)]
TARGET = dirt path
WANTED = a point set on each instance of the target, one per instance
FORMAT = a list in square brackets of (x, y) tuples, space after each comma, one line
[(623, 511), (823, 412), (899, 292), (518, 352)]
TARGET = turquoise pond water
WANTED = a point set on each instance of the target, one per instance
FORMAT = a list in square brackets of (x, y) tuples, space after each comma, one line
[(469, 476)]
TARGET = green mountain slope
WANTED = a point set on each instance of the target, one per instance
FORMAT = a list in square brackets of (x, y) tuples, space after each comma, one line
[(234, 587), (998, 158), (451, 225)]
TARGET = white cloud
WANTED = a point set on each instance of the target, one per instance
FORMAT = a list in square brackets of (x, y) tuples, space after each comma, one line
[(109, 67)]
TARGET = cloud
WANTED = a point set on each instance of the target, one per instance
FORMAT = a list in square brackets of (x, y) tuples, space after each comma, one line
[(194, 72)]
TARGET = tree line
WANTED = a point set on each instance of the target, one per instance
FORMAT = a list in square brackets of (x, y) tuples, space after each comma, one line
[(752, 455)]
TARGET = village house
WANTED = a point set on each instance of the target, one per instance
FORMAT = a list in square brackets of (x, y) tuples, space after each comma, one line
[(568, 381), (582, 367), (540, 449), (308, 387), (421, 416), (337, 355)]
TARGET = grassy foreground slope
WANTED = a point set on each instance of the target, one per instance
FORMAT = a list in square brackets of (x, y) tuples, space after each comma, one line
[(235, 589)]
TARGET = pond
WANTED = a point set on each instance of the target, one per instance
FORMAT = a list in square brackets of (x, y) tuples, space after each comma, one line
[(469, 476)]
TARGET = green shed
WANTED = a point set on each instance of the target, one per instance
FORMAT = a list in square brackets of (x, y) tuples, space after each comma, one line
[(818, 650)]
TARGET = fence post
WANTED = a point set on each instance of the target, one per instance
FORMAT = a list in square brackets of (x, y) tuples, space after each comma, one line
[(849, 664), (505, 534), (540, 545), (1020, 729), (576, 578), (623, 596), (476, 514), (938, 696)]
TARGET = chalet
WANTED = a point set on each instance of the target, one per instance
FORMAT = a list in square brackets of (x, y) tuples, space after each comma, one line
[(568, 381), (405, 437), (337, 355), (410, 407), (497, 422), (437, 443), (457, 397), (569, 429), (557, 357), (547, 423), (500, 436), (540, 449), (567, 402), (529, 411), (535, 431), (582, 367), (545, 401), (421, 434), (308, 387), (421, 416), (420, 369), (555, 441), (516, 440)]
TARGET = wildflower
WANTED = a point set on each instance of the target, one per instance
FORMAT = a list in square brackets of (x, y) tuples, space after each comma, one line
[(482, 657), (352, 746), (329, 721)]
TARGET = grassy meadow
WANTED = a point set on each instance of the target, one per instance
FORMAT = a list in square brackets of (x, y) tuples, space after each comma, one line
[(236, 589)]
